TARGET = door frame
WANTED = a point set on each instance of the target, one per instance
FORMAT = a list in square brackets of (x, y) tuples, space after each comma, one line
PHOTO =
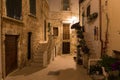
[(67, 40), (29, 56), (4, 56)]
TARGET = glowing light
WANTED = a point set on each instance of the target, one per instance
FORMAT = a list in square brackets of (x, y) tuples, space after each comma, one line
[(74, 19)]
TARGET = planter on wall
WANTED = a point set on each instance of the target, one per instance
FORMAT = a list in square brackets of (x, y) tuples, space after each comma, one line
[(80, 1), (92, 16)]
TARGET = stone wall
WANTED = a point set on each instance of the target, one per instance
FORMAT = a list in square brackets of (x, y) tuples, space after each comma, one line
[(110, 8), (90, 37), (28, 23), (58, 17)]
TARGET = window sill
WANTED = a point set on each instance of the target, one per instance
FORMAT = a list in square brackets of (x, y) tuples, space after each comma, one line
[(32, 15), (12, 19), (66, 11)]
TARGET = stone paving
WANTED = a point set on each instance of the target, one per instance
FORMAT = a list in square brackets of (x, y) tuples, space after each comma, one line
[(62, 68)]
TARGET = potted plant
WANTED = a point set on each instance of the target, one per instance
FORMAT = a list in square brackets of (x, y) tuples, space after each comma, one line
[(92, 16), (111, 65)]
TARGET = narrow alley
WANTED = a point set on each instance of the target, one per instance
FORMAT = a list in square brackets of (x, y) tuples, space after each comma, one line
[(62, 68)]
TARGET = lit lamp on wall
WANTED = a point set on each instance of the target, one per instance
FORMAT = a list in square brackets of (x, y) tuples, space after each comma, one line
[(73, 20)]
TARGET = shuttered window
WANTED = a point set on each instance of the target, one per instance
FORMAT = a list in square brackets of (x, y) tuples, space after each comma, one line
[(14, 8), (66, 5), (55, 31), (33, 7)]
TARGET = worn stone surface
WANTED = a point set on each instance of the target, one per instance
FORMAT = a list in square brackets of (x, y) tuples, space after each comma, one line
[(28, 23), (62, 68)]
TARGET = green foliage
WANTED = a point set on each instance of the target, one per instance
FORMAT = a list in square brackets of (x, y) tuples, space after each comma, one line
[(93, 16), (106, 62), (80, 36), (94, 69)]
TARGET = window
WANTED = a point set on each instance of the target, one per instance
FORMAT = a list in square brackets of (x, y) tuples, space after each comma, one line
[(14, 8), (95, 33), (55, 31), (45, 30), (66, 5), (88, 11), (83, 14), (33, 7), (66, 31)]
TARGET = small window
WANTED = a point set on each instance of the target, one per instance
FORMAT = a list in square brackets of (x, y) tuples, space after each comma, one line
[(83, 15), (14, 8), (95, 33), (45, 30), (88, 11), (33, 7), (66, 5), (55, 31)]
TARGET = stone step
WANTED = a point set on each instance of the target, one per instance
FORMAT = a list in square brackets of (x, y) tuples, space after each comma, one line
[(35, 56), (38, 61), (36, 64)]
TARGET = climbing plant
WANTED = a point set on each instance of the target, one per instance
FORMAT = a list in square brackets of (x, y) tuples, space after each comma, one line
[(82, 43)]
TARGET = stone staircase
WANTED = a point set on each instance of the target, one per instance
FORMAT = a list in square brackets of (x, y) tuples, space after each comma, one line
[(38, 56), (43, 53)]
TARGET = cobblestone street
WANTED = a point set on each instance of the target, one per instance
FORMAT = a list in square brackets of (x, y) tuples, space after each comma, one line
[(62, 68)]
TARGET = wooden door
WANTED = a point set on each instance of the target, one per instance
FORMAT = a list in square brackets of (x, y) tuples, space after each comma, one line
[(66, 39), (10, 53), (66, 32), (66, 47)]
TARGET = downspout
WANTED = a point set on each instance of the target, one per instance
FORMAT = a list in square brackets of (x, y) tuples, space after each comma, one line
[(0, 40), (0, 45), (106, 34), (100, 25), (1, 49)]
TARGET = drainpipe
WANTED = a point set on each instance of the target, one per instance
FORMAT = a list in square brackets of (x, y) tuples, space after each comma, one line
[(1, 59), (100, 25), (0, 44)]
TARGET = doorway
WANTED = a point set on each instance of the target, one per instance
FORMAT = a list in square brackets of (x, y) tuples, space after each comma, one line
[(29, 45), (66, 39), (11, 46)]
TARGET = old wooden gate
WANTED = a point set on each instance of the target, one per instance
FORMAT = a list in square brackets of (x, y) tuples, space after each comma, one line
[(66, 39), (11, 46)]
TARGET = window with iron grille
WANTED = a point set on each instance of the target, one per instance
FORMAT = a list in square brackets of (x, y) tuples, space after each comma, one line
[(33, 7), (66, 5), (14, 8), (55, 31)]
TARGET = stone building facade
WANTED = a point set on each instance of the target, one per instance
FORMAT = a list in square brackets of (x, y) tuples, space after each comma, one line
[(110, 27), (101, 32), (25, 35), (63, 14), (91, 24)]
